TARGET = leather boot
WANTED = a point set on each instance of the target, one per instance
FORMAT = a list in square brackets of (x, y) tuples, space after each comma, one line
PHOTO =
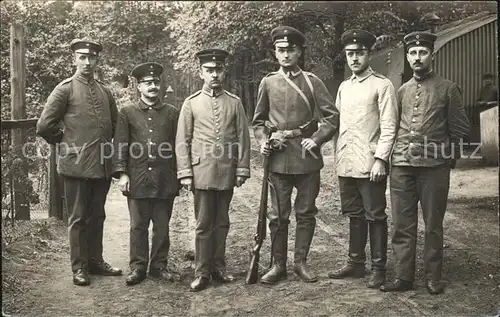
[(303, 238), (279, 244), (355, 267), (304, 272), (378, 250)]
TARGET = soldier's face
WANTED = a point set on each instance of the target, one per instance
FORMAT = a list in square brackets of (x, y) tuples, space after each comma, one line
[(420, 58), (288, 56), (149, 89), (212, 76), (358, 60), (85, 63)]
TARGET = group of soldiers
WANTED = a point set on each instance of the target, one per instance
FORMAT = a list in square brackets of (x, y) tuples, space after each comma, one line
[(205, 147)]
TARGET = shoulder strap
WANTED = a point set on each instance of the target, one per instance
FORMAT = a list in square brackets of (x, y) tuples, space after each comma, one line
[(308, 81), (301, 93)]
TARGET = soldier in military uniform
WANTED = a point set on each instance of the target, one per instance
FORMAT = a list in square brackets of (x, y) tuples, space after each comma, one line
[(368, 119), (87, 111), (144, 161), (291, 100), (433, 122), (213, 156)]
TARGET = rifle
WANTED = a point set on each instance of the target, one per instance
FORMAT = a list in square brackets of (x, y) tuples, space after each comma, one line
[(253, 272)]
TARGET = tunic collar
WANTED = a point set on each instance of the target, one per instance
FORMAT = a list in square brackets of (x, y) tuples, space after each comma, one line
[(291, 74), (84, 79), (145, 106), (212, 92), (361, 77)]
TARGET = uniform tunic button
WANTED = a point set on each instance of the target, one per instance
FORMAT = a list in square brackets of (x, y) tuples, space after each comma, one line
[(150, 130), (150, 119), (413, 120), (419, 85), (150, 108), (411, 143), (150, 155), (150, 168), (415, 108), (416, 96), (412, 132)]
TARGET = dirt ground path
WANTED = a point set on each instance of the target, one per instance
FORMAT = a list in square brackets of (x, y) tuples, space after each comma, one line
[(471, 267)]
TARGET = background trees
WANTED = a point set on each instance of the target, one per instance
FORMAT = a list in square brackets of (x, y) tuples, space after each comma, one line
[(171, 32)]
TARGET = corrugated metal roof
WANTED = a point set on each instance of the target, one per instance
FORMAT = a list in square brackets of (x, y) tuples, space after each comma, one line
[(449, 34)]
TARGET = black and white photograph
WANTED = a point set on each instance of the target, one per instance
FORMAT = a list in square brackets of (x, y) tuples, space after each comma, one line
[(250, 158)]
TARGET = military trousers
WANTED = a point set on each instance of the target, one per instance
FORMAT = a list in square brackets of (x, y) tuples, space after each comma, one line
[(430, 186), (362, 198), (85, 199), (142, 211), (307, 186), (211, 210), (364, 202)]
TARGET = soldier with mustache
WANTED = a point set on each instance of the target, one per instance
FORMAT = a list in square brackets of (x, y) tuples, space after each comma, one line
[(144, 161), (368, 120), (432, 123)]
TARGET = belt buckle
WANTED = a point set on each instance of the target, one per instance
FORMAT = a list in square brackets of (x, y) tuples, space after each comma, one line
[(288, 134)]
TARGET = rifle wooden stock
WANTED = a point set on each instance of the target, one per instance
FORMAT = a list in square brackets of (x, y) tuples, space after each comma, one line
[(253, 271)]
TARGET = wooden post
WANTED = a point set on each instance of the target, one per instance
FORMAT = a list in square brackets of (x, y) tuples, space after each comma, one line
[(18, 111), (55, 188)]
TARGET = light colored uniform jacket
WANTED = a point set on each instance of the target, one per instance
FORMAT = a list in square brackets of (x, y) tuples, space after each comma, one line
[(213, 141), (368, 123)]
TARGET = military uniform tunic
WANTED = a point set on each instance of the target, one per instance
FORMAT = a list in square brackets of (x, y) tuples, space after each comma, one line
[(144, 149), (281, 104), (368, 123), (87, 111), (213, 147), (433, 121)]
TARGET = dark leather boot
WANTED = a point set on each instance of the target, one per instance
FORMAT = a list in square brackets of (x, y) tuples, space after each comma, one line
[(162, 274), (398, 285), (304, 272), (378, 250), (103, 268), (200, 283), (355, 267), (81, 277), (303, 237), (434, 287), (275, 274), (221, 275), (279, 244), (135, 277)]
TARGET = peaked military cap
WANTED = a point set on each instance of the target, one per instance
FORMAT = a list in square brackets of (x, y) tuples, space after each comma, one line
[(420, 38), (287, 36), (356, 39), (147, 71), (86, 47), (212, 57)]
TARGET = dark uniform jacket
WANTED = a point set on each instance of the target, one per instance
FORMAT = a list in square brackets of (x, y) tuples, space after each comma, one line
[(213, 140), (432, 119), (279, 103), (87, 112), (144, 148)]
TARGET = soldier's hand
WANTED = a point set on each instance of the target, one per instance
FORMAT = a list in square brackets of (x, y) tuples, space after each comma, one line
[(123, 183), (379, 171), (265, 149), (187, 183), (308, 144), (240, 180)]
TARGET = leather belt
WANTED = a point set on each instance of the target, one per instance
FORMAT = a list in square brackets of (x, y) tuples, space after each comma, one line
[(290, 134)]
